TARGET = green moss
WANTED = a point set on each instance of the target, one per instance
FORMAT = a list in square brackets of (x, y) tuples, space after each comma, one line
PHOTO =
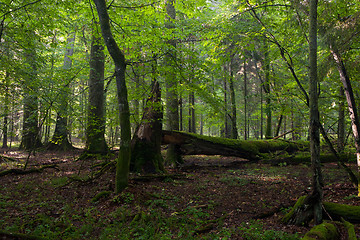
[(350, 229), (289, 215), (324, 231), (348, 212), (254, 146), (103, 194)]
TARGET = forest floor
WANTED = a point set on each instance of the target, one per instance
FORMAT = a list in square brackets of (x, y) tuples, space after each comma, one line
[(209, 197)]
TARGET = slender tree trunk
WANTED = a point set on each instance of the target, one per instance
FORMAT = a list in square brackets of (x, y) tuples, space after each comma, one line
[(226, 130), (355, 124), (279, 125), (245, 103), (60, 139), (192, 127), (234, 130), (267, 89), (341, 121), (6, 110), (123, 162), (172, 100), (95, 134), (261, 114), (317, 182)]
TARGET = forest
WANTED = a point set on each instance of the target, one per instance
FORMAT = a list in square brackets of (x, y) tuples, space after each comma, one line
[(187, 119)]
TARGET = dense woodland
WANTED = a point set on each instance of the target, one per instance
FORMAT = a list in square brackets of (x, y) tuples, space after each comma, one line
[(137, 85)]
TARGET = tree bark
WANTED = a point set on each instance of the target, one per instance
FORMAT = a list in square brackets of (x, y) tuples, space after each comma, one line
[(234, 130), (172, 99), (245, 104), (123, 162), (341, 121), (95, 134), (146, 143), (192, 126), (267, 90), (317, 182), (6, 110), (30, 135)]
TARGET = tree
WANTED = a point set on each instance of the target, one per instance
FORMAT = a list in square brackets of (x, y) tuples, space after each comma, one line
[(172, 100), (123, 161), (30, 136), (311, 208), (146, 143), (95, 133), (317, 182), (60, 139)]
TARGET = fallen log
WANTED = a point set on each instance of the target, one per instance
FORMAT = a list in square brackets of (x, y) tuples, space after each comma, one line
[(253, 150), (324, 231), (332, 211)]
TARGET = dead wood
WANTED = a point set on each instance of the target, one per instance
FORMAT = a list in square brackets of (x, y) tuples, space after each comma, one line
[(253, 150)]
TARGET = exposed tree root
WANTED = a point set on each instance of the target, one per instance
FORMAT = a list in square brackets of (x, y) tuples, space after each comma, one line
[(332, 211)]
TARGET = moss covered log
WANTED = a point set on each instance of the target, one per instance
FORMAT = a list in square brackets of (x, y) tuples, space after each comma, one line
[(194, 144), (324, 231), (347, 212)]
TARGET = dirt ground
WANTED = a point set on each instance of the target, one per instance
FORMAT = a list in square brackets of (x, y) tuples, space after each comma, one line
[(229, 192)]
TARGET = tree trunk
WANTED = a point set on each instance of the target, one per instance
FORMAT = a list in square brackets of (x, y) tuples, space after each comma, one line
[(95, 134), (355, 124), (317, 182), (315, 199), (267, 89), (279, 125), (60, 139), (234, 130), (172, 99), (193, 144), (146, 143), (310, 207), (192, 127), (341, 121), (6, 110), (123, 162), (245, 104), (30, 135)]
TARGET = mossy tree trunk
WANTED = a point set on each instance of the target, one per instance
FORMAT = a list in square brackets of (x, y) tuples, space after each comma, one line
[(95, 132), (123, 162), (146, 143)]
